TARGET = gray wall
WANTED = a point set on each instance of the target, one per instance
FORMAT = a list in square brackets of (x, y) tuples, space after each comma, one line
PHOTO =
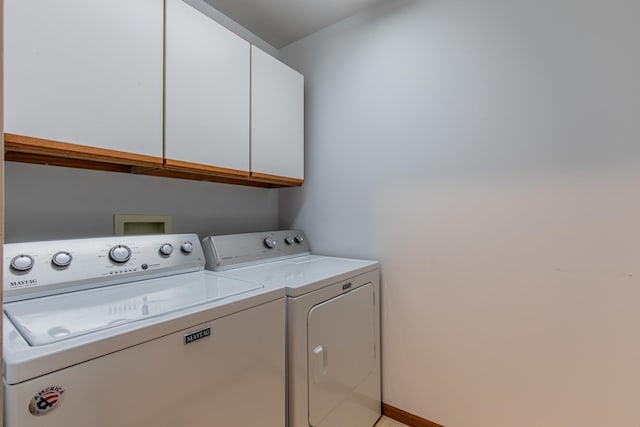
[(488, 153), (46, 203), (232, 25)]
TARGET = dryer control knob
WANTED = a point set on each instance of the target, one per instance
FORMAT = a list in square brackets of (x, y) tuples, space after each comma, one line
[(187, 247), (120, 254), (270, 242), (288, 240), (22, 263), (299, 238), (61, 259), (166, 249)]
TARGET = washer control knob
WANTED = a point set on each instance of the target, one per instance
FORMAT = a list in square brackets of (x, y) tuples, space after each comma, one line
[(22, 263), (270, 242), (61, 259), (166, 249), (299, 238), (187, 247), (120, 254), (288, 240)]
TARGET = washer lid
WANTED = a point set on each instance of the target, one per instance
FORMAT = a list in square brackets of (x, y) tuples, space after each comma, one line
[(50, 319)]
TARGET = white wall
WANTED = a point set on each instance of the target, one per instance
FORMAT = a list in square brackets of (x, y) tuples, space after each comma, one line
[(47, 203), (488, 153)]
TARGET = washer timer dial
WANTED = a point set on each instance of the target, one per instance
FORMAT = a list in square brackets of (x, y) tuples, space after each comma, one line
[(120, 254)]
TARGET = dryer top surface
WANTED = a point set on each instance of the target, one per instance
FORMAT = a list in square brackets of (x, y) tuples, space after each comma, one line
[(303, 274)]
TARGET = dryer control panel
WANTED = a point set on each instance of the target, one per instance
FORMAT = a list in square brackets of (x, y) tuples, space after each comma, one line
[(37, 269), (237, 250)]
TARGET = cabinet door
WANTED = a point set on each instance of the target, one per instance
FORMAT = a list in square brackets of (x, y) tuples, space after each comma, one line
[(85, 72), (207, 93), (277, 118)]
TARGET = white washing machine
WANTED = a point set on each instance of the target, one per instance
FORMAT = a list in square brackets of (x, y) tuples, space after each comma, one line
[(132, 332), (333, 323)]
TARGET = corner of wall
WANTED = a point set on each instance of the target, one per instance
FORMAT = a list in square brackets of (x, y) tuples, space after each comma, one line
[(232, 25)]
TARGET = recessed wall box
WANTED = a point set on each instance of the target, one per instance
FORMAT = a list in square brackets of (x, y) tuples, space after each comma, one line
[(141, 224)]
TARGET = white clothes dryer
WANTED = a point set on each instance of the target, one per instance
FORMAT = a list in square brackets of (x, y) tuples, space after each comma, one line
[(333, 323), (130, 331)]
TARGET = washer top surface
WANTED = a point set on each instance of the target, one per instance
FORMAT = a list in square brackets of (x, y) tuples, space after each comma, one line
[(76, 300), (302, 274), (46, 334), (58, 317)]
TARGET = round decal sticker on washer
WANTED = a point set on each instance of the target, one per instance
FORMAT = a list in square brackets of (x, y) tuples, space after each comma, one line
[(46, 401)]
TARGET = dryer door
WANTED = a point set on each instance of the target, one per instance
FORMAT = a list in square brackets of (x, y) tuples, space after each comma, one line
[(341, 349)]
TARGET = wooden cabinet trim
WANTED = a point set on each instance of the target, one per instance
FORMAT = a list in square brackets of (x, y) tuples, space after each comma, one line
[(276, 179), (209, 177), (46, 147), (180, 165), (19, 148), (406, 417), (12, 156)]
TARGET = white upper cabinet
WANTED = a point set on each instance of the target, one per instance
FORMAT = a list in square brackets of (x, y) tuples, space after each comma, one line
[(147, 86), (85, 72), (207, 92), (277, 118)]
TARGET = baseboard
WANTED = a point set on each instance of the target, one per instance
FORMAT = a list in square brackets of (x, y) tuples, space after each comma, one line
[(406, 418)]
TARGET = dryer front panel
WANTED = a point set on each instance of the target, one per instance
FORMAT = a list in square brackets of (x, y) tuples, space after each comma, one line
[(340, 349)]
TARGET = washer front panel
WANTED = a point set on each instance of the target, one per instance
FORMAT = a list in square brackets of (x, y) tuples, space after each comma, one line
[(164, 382)]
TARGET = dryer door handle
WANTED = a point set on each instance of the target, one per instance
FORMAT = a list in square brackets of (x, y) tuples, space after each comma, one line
[(321, 363)]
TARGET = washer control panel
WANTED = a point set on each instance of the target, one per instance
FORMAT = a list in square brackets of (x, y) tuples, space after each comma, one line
[(43, 268), (235, 250)]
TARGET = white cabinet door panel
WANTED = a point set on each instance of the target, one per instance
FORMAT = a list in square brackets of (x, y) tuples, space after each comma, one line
[(277, 117), (85, 72), (207, 91)]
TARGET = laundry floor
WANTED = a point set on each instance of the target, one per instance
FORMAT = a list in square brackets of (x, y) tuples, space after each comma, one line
[(388, 422)]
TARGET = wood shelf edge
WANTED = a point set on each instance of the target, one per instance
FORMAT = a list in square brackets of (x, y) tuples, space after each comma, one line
[(405, 417), (198, 168), (25, 149), (284, 181), (58, 149), (203, 176), (12, 156)]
